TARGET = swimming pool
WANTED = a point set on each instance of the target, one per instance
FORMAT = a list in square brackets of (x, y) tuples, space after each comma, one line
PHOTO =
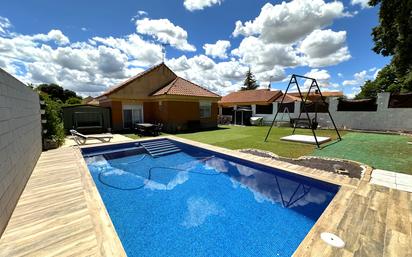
[(196, 202)]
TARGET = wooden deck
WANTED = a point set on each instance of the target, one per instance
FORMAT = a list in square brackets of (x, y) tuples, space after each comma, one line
[(60, 213)]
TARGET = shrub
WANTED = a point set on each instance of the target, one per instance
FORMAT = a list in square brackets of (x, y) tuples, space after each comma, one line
[(54, 125)]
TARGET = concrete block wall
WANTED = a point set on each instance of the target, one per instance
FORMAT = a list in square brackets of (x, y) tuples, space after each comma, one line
[(20, 141), (384, 119), (268, 118)]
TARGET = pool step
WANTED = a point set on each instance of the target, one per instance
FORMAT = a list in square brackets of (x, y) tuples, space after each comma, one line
[(161, 147)]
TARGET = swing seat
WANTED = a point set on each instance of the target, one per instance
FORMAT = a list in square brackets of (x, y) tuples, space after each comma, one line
[(306, 139)]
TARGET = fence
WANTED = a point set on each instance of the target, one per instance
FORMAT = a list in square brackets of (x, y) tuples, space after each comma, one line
[(20, 141)]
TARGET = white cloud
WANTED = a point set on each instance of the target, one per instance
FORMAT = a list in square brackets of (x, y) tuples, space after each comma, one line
[(286, 23), (83, 29), (165, 32), (322, 77), (141, 52), (363, 3), (217, 49), (325, 47), (193, 5), (222, 77), (4, 25), (359, 78), (265, 56), (86, 67), (139, 14)]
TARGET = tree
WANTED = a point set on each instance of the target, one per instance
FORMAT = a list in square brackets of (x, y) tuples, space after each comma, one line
[(250, 81), (56, 92), (73, 100), (386, 81), (392, 37)]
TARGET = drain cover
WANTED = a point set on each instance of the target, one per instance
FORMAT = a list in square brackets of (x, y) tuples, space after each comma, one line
[(332, 240)]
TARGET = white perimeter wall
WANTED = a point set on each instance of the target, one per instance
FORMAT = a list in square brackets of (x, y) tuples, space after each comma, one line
[(393, 119), (385, 119)]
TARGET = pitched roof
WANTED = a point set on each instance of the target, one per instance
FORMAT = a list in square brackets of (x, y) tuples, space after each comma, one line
[(130, 80), (183, 87), (251, 96), (324, 93), (288, 98)]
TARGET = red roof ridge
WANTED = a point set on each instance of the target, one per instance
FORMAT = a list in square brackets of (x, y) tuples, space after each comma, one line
[(170, 85)]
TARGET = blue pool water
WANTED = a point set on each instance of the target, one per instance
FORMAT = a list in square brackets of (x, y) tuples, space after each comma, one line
[(201, 203)]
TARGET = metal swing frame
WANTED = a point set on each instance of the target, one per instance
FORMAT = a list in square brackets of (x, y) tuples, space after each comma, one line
[(314, 84)]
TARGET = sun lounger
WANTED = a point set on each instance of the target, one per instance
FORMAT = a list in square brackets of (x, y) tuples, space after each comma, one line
[(81, 139)]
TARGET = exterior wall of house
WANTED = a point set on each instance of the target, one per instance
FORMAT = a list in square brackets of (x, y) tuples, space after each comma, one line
[(116, 113), (20, 141), (175, 115), (180, 115), (268, 118), (145, 85)]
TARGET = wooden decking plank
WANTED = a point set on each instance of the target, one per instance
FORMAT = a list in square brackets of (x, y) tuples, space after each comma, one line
[(53, 216)]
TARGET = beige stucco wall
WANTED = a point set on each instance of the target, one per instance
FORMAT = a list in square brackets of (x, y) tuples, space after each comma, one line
[(20, 141), (145, 85)]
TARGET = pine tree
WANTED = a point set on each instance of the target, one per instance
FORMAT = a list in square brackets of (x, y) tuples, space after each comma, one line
[(250, 81)]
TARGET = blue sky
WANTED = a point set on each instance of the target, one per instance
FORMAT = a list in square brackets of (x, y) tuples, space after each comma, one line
[(89, 46)]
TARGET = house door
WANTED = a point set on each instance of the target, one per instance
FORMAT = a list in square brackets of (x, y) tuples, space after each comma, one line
[(132, 114)]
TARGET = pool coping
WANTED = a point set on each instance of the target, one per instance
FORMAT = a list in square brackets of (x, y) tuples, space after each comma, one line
[(347, 185)]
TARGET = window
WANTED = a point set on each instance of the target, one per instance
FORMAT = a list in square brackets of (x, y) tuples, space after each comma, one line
[(264, 109), (290, 107), (205, 109), (132, 114)]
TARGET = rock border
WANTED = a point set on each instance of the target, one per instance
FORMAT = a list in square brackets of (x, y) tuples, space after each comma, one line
[(365, 173)]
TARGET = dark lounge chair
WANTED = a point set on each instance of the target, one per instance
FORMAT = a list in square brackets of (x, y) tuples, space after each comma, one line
[(81, 139)]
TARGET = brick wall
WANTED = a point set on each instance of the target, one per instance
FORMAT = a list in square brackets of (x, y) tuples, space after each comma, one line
[(20, 141)]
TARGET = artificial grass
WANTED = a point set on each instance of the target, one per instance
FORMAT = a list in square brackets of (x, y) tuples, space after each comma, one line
[(389, 152), (236, 137), (382, 151)]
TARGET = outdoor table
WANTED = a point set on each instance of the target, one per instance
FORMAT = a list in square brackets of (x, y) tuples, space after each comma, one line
[(145, 128)]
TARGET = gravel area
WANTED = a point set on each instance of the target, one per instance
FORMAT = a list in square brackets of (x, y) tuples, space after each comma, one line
[(350, 169)]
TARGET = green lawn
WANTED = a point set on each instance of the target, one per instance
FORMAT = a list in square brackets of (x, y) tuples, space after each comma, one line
[(390, 152), (236, 137)]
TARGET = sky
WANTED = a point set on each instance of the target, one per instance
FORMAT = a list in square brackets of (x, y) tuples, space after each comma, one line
[(90, 46)]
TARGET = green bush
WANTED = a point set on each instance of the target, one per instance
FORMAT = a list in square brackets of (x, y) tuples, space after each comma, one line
[(54, 125)]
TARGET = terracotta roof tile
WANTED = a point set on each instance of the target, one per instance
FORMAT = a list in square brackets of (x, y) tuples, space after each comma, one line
[(288, 98), (183, 87), (251, 96), (324, 93)]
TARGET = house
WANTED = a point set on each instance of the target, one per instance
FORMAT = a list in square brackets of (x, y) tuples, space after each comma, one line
[(242, 105), (90, 100), (159, 95), (315, 97)]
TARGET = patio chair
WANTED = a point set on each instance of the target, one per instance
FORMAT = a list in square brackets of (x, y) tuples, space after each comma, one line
[(158, 129), (81, 139)]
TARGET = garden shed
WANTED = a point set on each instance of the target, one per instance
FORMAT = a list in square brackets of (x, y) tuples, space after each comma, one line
[(87, 118)]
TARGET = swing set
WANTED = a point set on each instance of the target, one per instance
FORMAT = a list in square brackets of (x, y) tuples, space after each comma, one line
[(313, 123)]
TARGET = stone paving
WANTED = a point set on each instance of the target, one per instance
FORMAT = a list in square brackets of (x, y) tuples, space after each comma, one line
[(392, 179)]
